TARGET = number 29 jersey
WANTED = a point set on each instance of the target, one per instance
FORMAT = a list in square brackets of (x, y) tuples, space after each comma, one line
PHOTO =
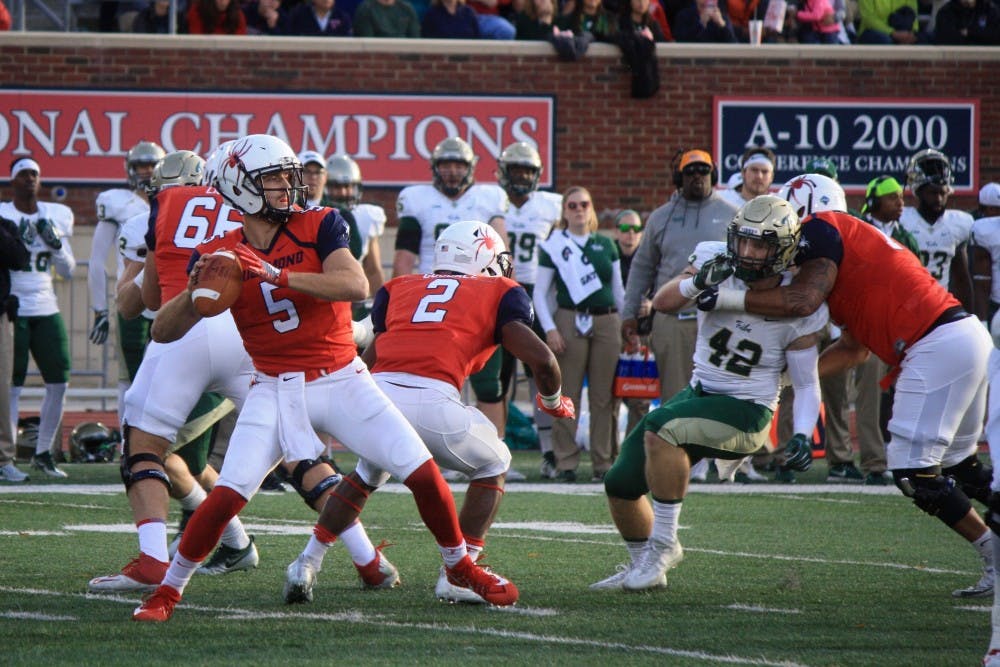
[(444, 326)]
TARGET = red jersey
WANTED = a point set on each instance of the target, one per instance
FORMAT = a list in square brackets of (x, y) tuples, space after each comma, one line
[(444, 326), (181, 218), (285, 330), (883, 295)]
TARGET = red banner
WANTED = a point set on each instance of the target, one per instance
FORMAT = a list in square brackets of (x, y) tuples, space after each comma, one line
[(82, 136)]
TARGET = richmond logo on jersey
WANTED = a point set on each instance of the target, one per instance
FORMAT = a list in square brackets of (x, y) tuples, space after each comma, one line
[(281, 262)]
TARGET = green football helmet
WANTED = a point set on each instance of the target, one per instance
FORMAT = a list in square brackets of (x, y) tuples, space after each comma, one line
[(520, 154), (144, 152)]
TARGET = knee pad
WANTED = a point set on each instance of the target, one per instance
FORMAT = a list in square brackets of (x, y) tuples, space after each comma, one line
[(933, 493), (321, 487), (973, 477), (128, 460)]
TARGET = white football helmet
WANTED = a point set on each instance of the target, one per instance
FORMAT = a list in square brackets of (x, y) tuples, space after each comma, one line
[(144, 152), (177, 168), (240, 170), (212, 164), (770, 220), (813, 193), (470, 248)]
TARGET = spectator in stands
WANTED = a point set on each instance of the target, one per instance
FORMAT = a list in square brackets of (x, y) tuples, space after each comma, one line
[(265, 17), (13, 255), (5, 20), (818, 23), (590, 16), (536, 20), (637, 16), (968, 23), (889, 22), (491, 16), (216, 17), (701, 21), (450, 19), (582, 268), (318, 18), (739, 13), (636, 35), (386, 18), (155, 19)]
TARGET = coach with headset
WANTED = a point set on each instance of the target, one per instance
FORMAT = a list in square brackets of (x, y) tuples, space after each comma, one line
[(694, 213)]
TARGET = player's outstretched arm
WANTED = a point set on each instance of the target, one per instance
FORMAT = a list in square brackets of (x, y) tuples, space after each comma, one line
[(669, 299), (524, 344), (806, 293)]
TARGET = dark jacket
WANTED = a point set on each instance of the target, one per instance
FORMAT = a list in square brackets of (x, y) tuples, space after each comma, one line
[(302, 21), (13, 255), (972, 26)]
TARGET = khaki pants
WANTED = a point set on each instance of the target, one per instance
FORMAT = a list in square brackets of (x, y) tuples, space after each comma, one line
[(596, 357), (867, 409), (672, 341)]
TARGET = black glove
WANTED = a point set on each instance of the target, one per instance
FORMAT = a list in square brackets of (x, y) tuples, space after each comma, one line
[(708, 299), (798, 453), (48, 234), (99, 332)]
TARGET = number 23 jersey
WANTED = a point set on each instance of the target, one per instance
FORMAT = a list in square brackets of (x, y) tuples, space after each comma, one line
[(939, 241), (444, 326)]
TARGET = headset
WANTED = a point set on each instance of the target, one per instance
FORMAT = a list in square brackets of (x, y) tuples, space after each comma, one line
[(679, 177)]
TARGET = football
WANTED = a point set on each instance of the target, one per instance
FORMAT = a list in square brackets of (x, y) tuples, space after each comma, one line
[(218, 284)]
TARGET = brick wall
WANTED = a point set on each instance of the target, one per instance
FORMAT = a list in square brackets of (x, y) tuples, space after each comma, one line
[(616, 146)]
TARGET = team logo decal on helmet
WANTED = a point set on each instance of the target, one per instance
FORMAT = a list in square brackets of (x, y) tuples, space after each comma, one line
[(471, 247)]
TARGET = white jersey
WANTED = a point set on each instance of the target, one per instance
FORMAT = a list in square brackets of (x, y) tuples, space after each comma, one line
[(733, 197), (132, 245), (435, 211), (116, 207), (986, 234), (370, 220), (742, 354), (939, 241), (33, 286), (527, 227)]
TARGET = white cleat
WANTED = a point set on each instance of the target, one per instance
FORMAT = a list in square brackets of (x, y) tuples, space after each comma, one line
[(299, 580), (652, 571), (615, 581), (449, 592), (980, 589)]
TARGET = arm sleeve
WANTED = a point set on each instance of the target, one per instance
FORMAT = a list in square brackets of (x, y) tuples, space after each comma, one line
[(805, 381), (515, 306), (379, 307), (540, 297), (333, 234), (97, 275), (408, 235), (617, 288)]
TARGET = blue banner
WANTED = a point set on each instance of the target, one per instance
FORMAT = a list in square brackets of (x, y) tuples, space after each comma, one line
[(863, 138)]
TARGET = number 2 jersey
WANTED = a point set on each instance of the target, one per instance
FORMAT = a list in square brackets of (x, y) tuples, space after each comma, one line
[(444, 326), (285, 330), (741, 354), (180, 218)]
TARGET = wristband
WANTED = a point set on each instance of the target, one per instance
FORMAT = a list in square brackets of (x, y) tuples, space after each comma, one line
[(552, 401), (731, 299), (687, 288), (138, 278)]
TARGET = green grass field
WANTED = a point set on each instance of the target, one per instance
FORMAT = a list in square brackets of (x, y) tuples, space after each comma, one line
[(773, 575)]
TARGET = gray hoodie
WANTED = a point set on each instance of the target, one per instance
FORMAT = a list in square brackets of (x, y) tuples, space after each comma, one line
[(672, 231)]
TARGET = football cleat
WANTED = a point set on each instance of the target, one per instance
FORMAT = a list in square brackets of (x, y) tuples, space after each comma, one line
[(548, 467), (493, 588), (227, 559), (141, 574), (45, 463), (299, 580), (379, 573), (449, 592), (615, 581), (652, 571), (158, 607), (980, 589)]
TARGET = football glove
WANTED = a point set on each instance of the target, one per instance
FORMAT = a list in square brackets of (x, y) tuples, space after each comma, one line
[(564, 410), (798, 453), (713, 272), (708, 299), (27, 232), (48, 234), (266, 271), (99, 332)]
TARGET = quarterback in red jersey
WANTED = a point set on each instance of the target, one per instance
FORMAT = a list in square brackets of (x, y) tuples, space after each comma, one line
[(299, 280), (431, 332), (890, 305)]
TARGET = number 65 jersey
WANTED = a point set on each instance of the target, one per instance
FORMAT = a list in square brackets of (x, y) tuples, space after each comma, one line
[(444, 326)]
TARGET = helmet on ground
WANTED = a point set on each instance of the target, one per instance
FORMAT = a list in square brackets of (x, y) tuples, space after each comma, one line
[(472, 248), (93, 442), (453, 149), (767, 220), (27, 437), (342, 170), (240, 175), (144, 152), (929, 167), (520, 154), (813, 193), (177, 168)]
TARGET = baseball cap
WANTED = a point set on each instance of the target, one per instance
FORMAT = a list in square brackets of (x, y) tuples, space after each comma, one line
[(310, 157), (990, 195), (695, 157), (823, 167), (24, 163)]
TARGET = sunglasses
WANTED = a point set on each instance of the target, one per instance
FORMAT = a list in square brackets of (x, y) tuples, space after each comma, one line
[(700, 169), (583, 205), (630, 228)]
